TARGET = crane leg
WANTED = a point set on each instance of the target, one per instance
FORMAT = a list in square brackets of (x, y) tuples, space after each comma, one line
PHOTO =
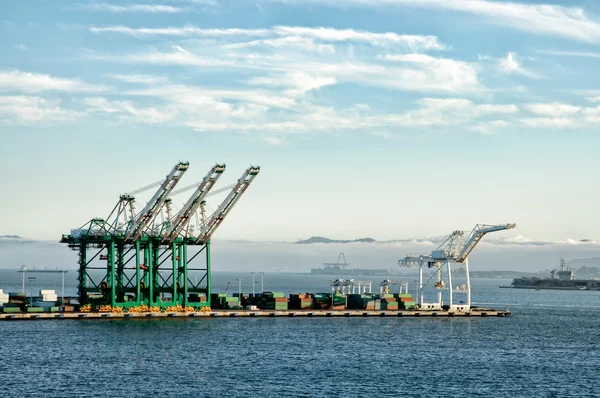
[(449, 282), (468, 283), (420, 293), (439, 279)]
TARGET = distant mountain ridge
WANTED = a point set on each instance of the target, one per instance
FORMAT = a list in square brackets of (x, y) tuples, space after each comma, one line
[(321, 239), (10, 236)]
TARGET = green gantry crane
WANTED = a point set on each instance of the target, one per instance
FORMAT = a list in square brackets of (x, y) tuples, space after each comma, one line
[(147, 260)]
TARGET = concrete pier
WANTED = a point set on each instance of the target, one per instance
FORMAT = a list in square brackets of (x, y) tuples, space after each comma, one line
[(250, 313)]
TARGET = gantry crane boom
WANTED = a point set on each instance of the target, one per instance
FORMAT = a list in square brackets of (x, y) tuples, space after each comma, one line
[(236, 193), (155, 204), (183, 217), (479, 232)]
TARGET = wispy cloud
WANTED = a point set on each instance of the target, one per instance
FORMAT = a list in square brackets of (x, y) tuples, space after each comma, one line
[(279, 35), (489, 128), (21, 47), (412, 42), (553, 109), (552, 122), (273, 140), (542, 19), (19, 109), (511, 65), (148, 8), (19, 81), (585, 54), (182, 31), (141, 79)]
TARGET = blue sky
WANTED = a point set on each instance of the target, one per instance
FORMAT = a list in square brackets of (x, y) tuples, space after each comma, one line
[(383, 118)]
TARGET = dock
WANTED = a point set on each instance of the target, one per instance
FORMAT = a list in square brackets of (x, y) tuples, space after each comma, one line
[(252, 314)]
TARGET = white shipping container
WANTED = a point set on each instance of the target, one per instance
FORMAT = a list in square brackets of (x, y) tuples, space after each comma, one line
[(42, 292)]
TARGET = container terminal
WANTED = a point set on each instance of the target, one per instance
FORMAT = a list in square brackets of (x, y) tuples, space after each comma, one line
[(145, 259)]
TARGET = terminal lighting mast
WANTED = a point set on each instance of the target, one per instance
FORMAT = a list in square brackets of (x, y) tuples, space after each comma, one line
[(455, 249)]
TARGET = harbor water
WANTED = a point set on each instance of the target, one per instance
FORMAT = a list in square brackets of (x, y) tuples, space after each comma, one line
[(547, 348)]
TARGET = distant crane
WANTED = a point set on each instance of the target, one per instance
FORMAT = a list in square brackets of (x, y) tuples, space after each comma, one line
[(455, 249), (385, 286), (338, 263)]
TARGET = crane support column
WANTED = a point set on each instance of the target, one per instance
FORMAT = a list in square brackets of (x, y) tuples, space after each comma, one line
[(182, 264), (138, 294), (449, 282), (439, 280), (420, 294), (111, 267), (120, 272), (208, 281), (150, 265), (468, 282), (175, 277), (83, 273)]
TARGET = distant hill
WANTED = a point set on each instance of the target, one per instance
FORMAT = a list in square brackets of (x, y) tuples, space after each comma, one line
[(10, 236), (321, 239)]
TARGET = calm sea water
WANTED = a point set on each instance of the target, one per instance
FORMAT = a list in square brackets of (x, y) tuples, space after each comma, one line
[(549, 347)]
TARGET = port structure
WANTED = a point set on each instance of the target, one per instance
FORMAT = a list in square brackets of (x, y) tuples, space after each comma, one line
[(455, 249), (147, 260)]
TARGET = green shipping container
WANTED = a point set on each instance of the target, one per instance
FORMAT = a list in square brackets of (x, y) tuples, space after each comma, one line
[(11, 310)]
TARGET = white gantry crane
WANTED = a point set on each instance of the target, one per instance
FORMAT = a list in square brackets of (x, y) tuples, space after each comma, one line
[(386, 284), (154, 206), (455, 249)]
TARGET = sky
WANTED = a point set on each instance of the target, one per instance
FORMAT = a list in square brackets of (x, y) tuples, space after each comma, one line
[(391, 119)]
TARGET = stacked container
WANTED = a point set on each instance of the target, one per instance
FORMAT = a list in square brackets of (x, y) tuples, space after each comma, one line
[(406, 302), (274, 301), (3, 297), (301, 301)]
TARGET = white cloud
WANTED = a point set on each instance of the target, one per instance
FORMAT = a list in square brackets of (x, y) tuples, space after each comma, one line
[(178, 57), (412, 42), (552, 122), (149, 8), (141, 79), (303, 43), (571, 53), (184, 31), (511, 65), (543, 19), (21, 109), (426, 73), (286, 35), (553, 109), (297, 82), (20, 47), (16, 80), (273, 140), (489, 128), (593, 99), (126, 110)]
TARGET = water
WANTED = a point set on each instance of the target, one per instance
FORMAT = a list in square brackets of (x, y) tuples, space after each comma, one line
[(549, 347)]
